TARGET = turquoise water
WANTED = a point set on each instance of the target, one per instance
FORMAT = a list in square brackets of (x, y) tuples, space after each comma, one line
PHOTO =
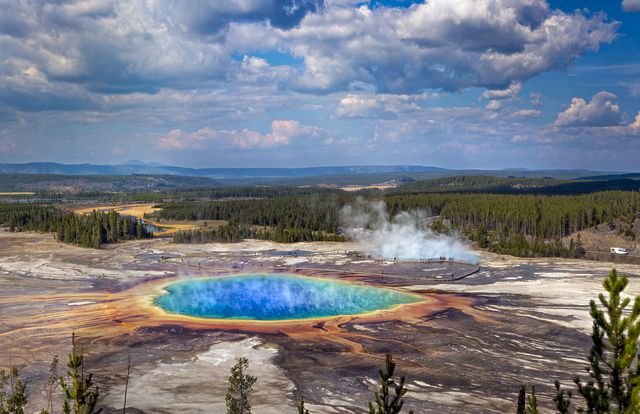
[(269, 297)]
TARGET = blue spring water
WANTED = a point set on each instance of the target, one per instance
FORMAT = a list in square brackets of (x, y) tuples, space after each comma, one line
[(269, 297)]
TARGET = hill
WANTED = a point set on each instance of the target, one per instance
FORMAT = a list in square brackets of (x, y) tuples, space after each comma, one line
[(105, 183), (513, 185), (326, 176), (632, 176), (137, 167)]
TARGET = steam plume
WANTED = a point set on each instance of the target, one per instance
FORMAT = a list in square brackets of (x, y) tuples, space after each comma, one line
[(405, 236)]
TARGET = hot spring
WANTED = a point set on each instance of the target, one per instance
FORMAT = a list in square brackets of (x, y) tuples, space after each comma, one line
[(272, 297)]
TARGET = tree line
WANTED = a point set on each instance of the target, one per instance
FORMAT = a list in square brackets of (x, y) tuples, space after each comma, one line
[(516, 185), (523, 225), (234, 233), (545, 217), (317, 212), (90, 230), (169, 194)]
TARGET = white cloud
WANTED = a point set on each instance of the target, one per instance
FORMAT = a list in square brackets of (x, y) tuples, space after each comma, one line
[(631, 5), (510, 92), (87, 8), (494, 105), (211, 17), (391, 131), (439, 44), (635, 125), (535, 99), (109, 47), (254, 64), (257, 72), (178, 139), (601, 111), (526, 113), (131, 46), (124, 47), (123, 70), (283, 132), (377, 105)]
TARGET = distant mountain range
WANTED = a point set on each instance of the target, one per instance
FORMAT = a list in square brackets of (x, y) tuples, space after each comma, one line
[(607, 177), (139, 167), (101, 183), (330, 175), (136, 175)]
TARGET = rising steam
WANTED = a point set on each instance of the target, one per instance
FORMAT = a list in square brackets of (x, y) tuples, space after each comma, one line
[(405, 236)]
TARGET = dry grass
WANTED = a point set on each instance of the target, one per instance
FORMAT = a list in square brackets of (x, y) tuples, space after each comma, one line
[(136, 210), (139, 210), (14, 193), (601, 238), (366, 187)]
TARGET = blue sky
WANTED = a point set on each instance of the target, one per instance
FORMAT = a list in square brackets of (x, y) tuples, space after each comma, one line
[(455, 84)]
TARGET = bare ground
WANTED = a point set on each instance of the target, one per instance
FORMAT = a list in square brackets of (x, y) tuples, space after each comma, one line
[(528, 323)]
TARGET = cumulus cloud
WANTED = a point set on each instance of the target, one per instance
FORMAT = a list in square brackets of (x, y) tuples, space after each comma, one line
[(283, 132), (66, 12), (535, 99), (635, 125), (511, 92), (115, 47), (209, 17), (519, 138), (377, 105), (107, 47), (254, 64), (494, 105), (178, 139), (601, 111), (123, 47), (440, 44), (258, 72), (122, 70), (526, 113), (631, 5)]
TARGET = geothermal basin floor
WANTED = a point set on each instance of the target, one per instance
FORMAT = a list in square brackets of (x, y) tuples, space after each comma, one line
[(515, 321)]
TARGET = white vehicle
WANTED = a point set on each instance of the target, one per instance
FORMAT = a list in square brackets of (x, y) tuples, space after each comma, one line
[(618, 250)]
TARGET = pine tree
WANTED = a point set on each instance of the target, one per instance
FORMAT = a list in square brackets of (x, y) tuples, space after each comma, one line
[(532, 402), (613, 366), (579, 248), (53, 373), (521, 399), (301, 409), (97, 238), (385, 403), (240, 388), (481, 236), (527, 403), (4, 380), (562, 399), (14, 399), (80, 395)]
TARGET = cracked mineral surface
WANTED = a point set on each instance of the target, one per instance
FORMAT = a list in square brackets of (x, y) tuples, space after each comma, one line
[(466, 349)]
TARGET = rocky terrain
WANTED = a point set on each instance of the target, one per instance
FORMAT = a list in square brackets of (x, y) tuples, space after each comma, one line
[(480, 336)]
